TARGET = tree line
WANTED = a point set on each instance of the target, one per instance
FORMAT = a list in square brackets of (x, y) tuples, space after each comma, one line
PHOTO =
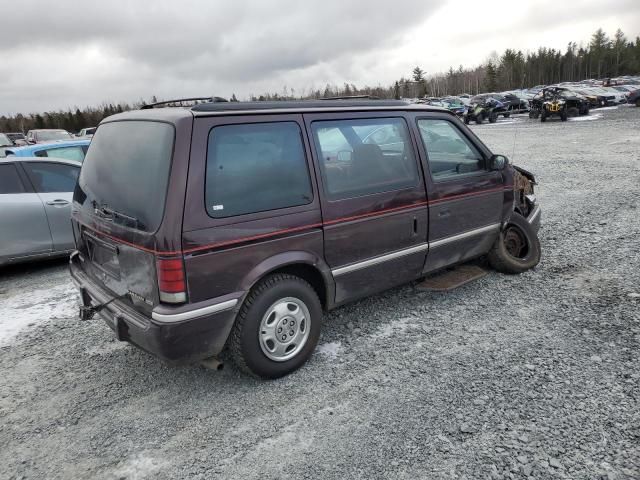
[(603, 57)]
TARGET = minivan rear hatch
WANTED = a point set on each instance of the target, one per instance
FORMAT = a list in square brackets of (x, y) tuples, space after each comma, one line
[(119, 204)]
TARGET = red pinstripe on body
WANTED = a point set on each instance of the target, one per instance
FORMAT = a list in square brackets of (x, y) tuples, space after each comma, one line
[(298, 229)]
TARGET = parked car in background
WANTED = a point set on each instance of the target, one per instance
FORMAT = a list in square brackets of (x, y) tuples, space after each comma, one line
[(455, 105), (238, 223), (47, 135), (5, 144), (516, 103), (17, 138), (465, 98), (593, 98), (625, 88), (71, 150), (35, 208), (619, 97), (605, 98), (86, 132), (634, 98)]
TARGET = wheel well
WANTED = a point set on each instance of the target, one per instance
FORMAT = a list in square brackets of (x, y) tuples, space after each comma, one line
[(311, 275)]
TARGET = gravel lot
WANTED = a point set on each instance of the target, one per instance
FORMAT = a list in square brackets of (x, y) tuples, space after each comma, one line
[(532, 376)]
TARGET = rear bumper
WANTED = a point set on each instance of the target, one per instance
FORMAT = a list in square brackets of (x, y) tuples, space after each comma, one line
[(176, 335)]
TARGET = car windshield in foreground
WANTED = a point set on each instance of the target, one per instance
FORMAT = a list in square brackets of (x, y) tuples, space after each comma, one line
[(58, 135), (126, 170)]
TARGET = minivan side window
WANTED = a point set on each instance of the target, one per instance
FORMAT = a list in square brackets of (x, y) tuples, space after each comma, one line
[(365, 156), (450, 152), (256, 167), (52, 177), (9, 180)]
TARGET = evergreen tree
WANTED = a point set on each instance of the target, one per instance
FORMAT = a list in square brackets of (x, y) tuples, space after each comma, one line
[(491, 84), (418, 74)]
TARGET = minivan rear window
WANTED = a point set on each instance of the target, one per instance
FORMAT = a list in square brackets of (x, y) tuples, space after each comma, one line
[(126, 172)]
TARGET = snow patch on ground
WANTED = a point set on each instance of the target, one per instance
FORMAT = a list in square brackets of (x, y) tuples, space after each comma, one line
[(613, 107), (588, 117), (394, 328), (139, 467), (508, 121), (330, 350), (20, 309)]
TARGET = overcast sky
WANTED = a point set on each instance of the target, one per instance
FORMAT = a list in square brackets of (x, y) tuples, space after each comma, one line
[(77, 53)]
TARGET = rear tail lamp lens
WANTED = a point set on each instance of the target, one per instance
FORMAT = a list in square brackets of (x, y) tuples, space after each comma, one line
[(171, 280)]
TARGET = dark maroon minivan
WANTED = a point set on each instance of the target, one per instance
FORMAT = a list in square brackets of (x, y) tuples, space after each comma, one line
[(237, 224)]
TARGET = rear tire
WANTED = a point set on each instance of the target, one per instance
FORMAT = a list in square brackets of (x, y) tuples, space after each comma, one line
[(277, 328), (467, 120), (563, 115), (493, 117), (517, 248), (480, 118), (543, 116)]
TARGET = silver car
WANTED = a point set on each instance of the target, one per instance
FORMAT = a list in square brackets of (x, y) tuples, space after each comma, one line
[(35, 207)]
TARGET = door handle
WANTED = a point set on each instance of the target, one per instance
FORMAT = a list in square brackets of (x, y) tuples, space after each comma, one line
[(58, 203)]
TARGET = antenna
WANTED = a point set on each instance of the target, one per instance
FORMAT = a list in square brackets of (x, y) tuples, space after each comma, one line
[(515, 133)]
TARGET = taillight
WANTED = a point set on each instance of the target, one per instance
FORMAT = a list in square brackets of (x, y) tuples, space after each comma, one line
[(171, 281)]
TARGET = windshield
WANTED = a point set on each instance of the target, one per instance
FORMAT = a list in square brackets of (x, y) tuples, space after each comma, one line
[(4, 140), (126, 171), (55, 135)]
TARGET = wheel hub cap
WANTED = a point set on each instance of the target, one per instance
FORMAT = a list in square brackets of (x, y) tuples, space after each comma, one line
[(284, 329)]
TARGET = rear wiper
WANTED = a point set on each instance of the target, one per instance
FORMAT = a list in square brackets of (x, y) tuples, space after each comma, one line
[(117, 217)]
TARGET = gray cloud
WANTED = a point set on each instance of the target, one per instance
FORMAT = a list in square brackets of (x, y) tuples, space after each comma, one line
[(162, 46), (71, 53)]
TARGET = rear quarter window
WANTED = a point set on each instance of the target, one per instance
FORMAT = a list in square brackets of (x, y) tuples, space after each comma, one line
[(254, 168)]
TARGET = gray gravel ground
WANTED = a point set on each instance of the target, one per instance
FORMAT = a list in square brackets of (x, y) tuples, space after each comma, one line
[(530, 376)]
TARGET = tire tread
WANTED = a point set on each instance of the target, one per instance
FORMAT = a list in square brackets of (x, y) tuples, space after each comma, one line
[(235, 338)]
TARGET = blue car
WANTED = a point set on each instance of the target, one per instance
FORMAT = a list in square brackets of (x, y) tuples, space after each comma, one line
[(69, 150)]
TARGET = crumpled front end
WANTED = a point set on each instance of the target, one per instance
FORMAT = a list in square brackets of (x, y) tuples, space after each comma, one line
[(525, 201)]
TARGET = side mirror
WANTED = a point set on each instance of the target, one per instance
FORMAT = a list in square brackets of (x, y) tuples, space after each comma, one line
[(498, 162)]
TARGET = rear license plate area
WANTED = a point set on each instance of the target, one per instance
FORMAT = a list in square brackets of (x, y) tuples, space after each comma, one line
[(103, 255)]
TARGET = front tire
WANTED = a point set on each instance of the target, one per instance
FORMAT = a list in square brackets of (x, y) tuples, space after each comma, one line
[(277, 328), (493, 117), (479, 118), (517, 248)]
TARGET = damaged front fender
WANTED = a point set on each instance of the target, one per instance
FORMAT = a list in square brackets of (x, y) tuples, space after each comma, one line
[(524, 199)]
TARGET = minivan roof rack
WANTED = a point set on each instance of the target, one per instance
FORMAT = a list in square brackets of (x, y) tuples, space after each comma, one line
[(180, 102), (352, 97)]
